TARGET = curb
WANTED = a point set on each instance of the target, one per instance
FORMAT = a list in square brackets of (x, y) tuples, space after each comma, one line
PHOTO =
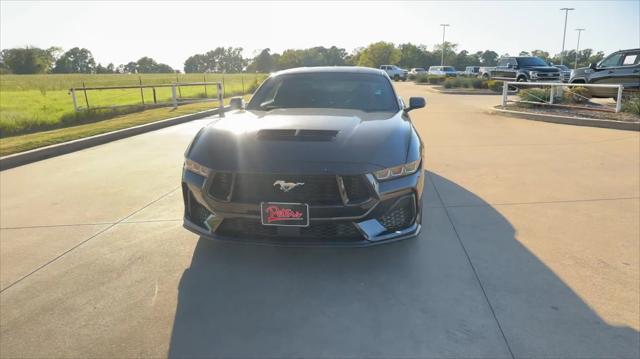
[(38, 154), (568, 120)]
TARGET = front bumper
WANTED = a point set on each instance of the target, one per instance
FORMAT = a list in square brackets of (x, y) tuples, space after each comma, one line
[(392, 212)]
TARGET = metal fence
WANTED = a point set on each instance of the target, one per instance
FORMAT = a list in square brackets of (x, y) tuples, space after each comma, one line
[(557, 91), (176, 99)]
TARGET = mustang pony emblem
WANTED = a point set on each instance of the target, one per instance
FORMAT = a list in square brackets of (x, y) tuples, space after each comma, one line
[(287, 186)]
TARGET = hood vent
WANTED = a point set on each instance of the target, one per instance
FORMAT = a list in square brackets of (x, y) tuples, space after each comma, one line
[(297, 135)]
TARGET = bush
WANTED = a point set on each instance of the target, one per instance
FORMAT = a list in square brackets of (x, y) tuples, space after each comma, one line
[(534, 95), (576, 95), (494, 85), (632, 105), (435, 79), (478, 83), (422, 79)]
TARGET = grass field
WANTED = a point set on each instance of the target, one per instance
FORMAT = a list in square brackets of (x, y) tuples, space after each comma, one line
[(15, 144), (34, 103)]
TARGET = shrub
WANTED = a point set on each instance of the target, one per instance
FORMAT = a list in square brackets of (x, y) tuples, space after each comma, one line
[(435, 79), (534, 95), (576, 95), (632, 105), (494, 85), (421, 79), (448, 84), (478, 84)]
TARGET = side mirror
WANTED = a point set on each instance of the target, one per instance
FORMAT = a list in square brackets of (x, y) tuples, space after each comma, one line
[(236, 103), (416, 102), (593, 66)]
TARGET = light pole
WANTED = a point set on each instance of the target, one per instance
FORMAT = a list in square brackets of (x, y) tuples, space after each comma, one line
[(566, 13), (444, 27), (575, 66)]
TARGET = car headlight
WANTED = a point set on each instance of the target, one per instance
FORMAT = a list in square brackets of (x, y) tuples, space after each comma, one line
[(196, 168), (397, 171), (533, 74)]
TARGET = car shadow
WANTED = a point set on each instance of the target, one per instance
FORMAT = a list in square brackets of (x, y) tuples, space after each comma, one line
[(414, 298)]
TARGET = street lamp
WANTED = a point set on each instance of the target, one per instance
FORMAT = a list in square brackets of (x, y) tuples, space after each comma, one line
[(575, 66), (444, 27), (566, 13)]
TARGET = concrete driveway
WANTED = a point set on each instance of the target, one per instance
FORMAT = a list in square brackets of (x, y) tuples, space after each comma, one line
[(530, 248)]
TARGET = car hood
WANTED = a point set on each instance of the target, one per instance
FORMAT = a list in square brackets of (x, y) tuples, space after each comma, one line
[(350, 141)]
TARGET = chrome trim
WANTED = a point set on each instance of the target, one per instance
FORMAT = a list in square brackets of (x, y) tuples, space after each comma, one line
[(342, 190)]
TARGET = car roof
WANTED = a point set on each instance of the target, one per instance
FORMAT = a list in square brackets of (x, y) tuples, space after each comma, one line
[(333, 69)]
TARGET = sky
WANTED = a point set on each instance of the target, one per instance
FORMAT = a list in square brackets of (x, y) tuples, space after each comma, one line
[(171, 31)]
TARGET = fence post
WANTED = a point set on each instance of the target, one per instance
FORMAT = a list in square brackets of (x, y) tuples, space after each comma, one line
[(505, 89), (141, 91), (154, 96), (220, 100), (173, 96), (619, 99), (75, 101), (204, 77), (86, 100), (552, 94)]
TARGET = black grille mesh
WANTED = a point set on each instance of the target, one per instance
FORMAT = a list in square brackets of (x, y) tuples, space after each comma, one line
[(400, 217), (316, 190), (197, 213), (253, 229)]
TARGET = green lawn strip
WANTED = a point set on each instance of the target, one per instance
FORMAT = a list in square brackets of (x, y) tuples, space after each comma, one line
[(10, 145)]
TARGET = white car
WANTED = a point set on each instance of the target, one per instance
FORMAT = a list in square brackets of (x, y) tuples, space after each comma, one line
[(395, 72), (417, 71), (448, 71)]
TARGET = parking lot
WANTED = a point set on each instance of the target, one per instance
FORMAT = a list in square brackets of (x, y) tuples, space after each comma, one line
[(530, 248)]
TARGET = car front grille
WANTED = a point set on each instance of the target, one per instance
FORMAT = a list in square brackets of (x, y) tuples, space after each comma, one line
[(321, 231), (312, 189), (196, 212), (401, 216)]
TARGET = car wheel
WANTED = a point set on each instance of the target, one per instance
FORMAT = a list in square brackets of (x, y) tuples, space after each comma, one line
[(396, 77), (485, 76)]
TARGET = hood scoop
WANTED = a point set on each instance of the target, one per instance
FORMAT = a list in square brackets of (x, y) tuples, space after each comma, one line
[(297, 135)]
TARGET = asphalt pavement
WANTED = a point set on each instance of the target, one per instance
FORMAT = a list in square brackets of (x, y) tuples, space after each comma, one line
[(530, 248)]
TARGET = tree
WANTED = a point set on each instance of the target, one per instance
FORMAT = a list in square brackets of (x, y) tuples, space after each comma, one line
[(195, 63), (524, 53), (379, 53), (28, 60), (76, 61), (263, 62), (541, 54), (489, 58), (412, 56), (449, 51)]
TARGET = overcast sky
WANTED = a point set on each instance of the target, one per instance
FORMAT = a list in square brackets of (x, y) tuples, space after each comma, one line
[(169, 32)]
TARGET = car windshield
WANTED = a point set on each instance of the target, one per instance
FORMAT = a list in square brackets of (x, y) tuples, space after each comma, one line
[(531, 61), (448, 68), (340, 90)]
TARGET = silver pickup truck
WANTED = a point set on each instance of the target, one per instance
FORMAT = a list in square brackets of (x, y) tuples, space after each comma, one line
[(395, 72)]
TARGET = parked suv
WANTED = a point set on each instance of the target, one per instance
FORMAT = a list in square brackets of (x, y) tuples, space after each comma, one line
[(525, 69), (621, 67), (395, 72), (448, 71), (471, 71)]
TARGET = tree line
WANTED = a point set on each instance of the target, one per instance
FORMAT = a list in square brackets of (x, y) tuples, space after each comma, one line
[(33, 60)]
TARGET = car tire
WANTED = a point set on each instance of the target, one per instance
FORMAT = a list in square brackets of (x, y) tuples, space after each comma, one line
[(485, 76), (396, 77)]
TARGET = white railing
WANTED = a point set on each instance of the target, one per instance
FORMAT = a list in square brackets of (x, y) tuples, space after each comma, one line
[(176, 96), (556, 91)]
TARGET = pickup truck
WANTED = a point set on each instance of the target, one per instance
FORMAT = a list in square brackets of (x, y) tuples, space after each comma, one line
[(525, 69), (395, 72), (621, 67)]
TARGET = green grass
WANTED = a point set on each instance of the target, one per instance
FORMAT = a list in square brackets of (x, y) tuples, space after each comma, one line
[(27, 142), (33, 103)]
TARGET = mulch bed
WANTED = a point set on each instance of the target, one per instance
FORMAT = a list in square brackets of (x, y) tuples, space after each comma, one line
[(571, 112)]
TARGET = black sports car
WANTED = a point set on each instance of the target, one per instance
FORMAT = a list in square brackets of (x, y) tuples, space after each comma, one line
[(324, 155)]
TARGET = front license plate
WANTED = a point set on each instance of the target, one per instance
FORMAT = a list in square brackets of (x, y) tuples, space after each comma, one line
[(284, 214)]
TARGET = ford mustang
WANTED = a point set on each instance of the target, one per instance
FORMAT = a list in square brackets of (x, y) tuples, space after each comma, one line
[(318, 156)]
